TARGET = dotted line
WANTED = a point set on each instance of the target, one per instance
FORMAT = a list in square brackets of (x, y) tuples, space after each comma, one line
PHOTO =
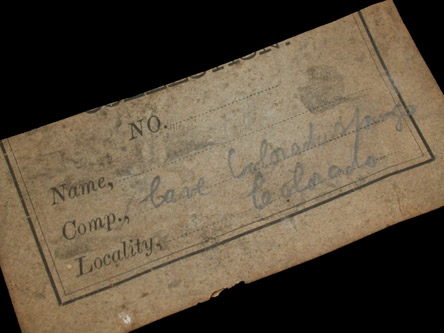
[(165, 164), (210, 148), (186, 234), (340, 99), (386, 155), (232, 140), (266, 127), (227, 104), (216, 144), (219, 183), (323, 143), (280, 198)]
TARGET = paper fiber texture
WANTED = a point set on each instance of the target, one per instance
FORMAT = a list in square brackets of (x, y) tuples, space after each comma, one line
[(149, 205)]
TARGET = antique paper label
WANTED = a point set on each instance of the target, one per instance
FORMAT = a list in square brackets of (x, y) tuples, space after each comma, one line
[(152, 203)]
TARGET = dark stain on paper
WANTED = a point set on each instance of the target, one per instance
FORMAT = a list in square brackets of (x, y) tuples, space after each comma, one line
[(325, 89)]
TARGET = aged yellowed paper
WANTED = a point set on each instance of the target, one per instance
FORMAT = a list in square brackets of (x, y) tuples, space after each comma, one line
[(228, 175)]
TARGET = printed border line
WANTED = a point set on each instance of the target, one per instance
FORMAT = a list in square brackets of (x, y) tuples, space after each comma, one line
[(395, 88), (38, 225), (387, 73), (31, 225), (383, 75)]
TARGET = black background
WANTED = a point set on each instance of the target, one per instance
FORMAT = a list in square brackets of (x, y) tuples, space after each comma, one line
[(63, 64)]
